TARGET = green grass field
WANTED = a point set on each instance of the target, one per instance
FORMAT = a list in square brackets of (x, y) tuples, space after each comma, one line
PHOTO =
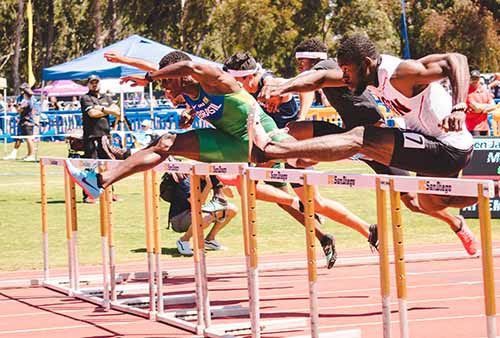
[(20, 229)]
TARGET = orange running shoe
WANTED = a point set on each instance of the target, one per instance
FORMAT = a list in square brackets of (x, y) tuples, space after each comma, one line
[(469, 242)]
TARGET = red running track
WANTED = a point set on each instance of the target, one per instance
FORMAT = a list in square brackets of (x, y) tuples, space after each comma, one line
[(445, 299)]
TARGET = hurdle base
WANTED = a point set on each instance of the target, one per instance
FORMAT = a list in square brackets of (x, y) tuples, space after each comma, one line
[(229, 330), (215, 312), (141, 302)]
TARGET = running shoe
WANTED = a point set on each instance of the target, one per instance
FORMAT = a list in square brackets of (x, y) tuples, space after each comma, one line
[(469, 242), (212, 245), (373, 237), (87, 179), (328, 244), (217, 203), (184, 247)]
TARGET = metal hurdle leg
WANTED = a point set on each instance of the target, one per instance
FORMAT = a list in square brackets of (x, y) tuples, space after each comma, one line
[(149, 244), (199, 254), (111, 246), (69, 231), (397, 237), (74, 228), (45, 228), (383, 237), (487, 261), (103, 206), (157, 243), (311, 257)]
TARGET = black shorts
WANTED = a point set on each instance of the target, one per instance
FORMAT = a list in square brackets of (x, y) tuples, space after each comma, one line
[(25, 129), (322, 128), (425, 155)]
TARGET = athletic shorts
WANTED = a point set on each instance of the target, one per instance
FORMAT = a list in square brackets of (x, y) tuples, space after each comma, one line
[(181, 222), (425, 155), (25, 129), (218, 146)]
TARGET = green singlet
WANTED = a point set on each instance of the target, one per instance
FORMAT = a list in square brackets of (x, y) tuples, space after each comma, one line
[(228, 114)]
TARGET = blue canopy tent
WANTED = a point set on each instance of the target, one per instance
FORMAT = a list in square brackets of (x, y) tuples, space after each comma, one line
[(134, 46), (94, 63)]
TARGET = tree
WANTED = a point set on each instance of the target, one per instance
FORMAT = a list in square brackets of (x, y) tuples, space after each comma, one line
[(17, 45), (367, 17)]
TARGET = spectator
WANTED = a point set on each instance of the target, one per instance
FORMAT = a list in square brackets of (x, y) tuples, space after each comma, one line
[(75, 104), (175, 189), (44, 106), (96, 109), (54, 104), (11, 106), (3, 104), (27, 113), (479, 104), (494, 86), (144, 136)]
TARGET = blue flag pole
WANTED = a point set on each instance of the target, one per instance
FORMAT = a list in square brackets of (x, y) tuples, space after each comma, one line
[(404, 32)]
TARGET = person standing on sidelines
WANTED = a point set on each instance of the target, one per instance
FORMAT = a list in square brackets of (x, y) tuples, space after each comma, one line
[(434, 144), (96, 109), (26, 109), (479, 103)]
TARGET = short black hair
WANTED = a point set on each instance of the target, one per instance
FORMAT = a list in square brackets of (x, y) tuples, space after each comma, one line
[(174, 57), (311, 45), (355, 48), (240, 61)]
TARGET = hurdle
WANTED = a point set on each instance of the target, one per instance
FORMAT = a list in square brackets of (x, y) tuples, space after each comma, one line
[(105, 295), (483, 190), (204, 312)]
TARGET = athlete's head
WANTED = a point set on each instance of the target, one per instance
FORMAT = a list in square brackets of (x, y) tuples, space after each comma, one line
[(244, 68), (174, 87), (310, 52), (357, 57)]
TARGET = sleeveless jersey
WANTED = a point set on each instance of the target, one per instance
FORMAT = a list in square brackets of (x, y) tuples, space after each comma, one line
[(287, 111), (227, 112), (423, 112)]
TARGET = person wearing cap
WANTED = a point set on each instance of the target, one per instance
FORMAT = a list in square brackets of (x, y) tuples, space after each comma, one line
[(144, 136), (96, 109), (26, 108), (479, 103)]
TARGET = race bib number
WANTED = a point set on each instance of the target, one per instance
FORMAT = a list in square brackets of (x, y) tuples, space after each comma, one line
[(414, 141)]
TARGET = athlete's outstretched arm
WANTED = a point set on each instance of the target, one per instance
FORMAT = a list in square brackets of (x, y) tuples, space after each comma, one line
[(306, 82), (116, 57)]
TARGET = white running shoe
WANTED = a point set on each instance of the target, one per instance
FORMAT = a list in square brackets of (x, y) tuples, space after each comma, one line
[(212, 245), (184, 247), (29, 158), (11, 156)]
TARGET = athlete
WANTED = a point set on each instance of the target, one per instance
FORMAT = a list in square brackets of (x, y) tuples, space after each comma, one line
[(359, 110), (211, 94), (249, 73), (434, 143)]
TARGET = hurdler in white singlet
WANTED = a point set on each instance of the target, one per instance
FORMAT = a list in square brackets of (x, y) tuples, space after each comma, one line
[(423, 112)]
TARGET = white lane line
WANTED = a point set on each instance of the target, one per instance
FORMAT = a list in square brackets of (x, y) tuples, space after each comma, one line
[(55, 328), (42, 312)]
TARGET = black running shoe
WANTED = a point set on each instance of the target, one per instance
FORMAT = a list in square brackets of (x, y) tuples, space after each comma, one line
[(373, 237), (328, 244)]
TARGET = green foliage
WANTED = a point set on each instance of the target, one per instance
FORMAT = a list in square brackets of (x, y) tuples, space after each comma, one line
[(370, 18)]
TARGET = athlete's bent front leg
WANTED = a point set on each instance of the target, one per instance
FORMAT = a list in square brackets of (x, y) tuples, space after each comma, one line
[(185, 144)]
